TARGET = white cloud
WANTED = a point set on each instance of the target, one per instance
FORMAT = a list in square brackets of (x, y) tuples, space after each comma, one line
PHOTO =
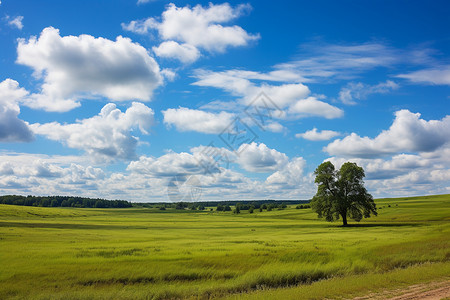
[(200, 26), (314, 135), (357, 91), (185, 119), (336, 62), (168, 165), (195, 28), (12, 129), (260, 158), (44, 175), (140, 26), (292, 98), (383, 169), (397, 165), (144, 1), (291, 176), (16, 22), (73, 175), (341, 61), (244, 76), (6, 168), (405, 174), (209, 164), (238, 83), (228, 81), (283, 95), (105, 136), (274, 127), (80, 67), (169, 74), (313, 107), (185, 53), (408, 133), (287, 179), (437, 76)]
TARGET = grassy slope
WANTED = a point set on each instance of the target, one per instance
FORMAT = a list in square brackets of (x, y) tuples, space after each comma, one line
[(63, 253)]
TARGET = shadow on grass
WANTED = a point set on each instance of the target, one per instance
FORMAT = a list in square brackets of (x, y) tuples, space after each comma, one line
[(383, 224)]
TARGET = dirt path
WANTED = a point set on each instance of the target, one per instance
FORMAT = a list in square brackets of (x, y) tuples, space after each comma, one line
[(428, 291)]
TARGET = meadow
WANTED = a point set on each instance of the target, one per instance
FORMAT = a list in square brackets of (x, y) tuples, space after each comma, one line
[(146, 253)]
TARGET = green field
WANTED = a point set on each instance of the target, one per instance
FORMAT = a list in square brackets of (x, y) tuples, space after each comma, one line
[(141, 253)]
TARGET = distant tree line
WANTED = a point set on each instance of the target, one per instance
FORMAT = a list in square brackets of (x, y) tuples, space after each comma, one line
[(63, 201), (255, 203), (252, 206), (225, 205), (235, 207)]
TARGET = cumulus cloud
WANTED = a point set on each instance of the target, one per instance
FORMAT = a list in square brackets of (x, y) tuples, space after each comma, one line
[(287, 178), (105, 136), (45, 170), (185, 53), (76, 67), (227, 80), (283, 95), (238, 83), (209, 162), (43, 175), (140, 26), (290, 176), (197, 27), (260, 158), (291, 98), (314, 135), (358, 91), (437, 76), (408, 133), (12, 129), (185, 119), (386, 168), (6, 168), (168, 165), (274, 127), (404, 174), (313, 107)]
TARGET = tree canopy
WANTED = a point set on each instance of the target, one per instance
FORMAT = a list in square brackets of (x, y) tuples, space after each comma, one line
[(341, 193)]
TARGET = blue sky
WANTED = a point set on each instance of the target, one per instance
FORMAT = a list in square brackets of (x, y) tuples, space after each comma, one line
[(153, 101)]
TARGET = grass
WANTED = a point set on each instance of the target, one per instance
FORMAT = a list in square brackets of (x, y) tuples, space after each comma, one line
[(139, 253)]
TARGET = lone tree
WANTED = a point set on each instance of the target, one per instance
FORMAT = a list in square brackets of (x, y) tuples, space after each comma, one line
[(342, 193)]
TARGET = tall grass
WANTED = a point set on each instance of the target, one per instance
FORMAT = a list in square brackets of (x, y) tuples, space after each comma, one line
[(69, 253)]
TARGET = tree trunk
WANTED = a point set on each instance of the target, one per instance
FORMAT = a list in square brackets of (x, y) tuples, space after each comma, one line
[(344, 219)]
